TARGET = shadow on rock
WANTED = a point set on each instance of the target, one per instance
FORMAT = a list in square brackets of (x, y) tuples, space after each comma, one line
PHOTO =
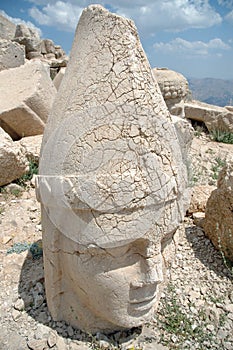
[(206, 252), (31, 285)]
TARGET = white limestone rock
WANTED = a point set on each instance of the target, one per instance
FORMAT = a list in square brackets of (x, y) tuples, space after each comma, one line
[(58, 78), (214, 117), (218, 223), (11, 54), (13, 163), (31, 146), (27, 94), (29, 37), (112, 181), (47, 46), (7, 28)]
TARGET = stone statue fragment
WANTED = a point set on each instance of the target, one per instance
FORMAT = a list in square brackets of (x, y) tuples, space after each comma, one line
[(112, 181)]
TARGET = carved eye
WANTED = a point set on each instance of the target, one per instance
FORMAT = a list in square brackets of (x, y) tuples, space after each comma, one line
[(146, 248), (94, 250), (113, 252), (119, 251)]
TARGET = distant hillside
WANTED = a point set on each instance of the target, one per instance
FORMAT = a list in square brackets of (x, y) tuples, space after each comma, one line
[(218, 92)]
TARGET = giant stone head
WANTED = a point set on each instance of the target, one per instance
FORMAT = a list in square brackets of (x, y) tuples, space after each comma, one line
[(112, 182)]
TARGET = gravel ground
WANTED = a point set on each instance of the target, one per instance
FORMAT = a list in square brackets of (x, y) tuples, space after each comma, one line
[(196, 308)]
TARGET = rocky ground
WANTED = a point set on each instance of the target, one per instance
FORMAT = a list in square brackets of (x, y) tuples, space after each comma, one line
[(196, 308)]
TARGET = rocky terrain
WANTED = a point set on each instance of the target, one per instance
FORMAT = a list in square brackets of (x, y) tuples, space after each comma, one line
[(196, 308)]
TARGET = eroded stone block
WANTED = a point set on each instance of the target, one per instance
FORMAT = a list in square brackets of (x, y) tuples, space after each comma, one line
[(214, 117), (27, 94), (13, 163), (11, 54), (7, 28), (218, 223), (58, 78)]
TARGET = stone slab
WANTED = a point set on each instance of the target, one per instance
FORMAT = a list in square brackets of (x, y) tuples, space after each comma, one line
[(27, 94)]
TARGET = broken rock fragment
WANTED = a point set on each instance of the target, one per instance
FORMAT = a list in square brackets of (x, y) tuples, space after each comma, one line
[(11, 54), (13, 163), (27, 94)]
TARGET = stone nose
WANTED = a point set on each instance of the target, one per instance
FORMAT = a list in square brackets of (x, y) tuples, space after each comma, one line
[(151, 271)]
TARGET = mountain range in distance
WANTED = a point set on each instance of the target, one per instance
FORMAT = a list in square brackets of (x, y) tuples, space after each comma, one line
[(217, 92)]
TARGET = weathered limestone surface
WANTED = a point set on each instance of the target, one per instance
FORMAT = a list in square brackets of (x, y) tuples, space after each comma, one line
[(28, 37), (27, 94), (47, 46), (58, 78), (33, 46), (185, 134), (229, 108), (13, 162), (7, 28), (174, 88), (112, 181), (199, 198), (214, 117), (218, 224), (31, 146), (11, 54)]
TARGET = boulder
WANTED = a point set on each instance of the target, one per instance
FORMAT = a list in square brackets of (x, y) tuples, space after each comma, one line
[(31, 146), (7, 28), (50, 56), (47, 46), (214, 117), (58, 78), (229, 108), (11, 54), (28, 37), (222, 121), (174, 88), (59, 52), (27, 94), (59, 63), (13, 163), (218, 224), (198, 218), (34, 54), (199, 197)]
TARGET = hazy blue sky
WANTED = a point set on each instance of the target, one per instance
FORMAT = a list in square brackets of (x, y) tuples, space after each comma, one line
[(193, 37)]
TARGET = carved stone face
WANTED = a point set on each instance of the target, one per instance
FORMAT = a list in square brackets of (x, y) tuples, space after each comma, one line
[(112, 181), (118, 286)]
